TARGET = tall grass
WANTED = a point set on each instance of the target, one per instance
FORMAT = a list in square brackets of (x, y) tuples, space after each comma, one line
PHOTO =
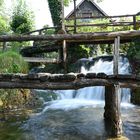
[(12, 62)]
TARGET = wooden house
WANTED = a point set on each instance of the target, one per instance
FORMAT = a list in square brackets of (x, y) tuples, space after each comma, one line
[(87, 8)]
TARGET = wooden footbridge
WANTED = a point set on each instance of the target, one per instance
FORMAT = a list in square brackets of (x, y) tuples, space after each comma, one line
[(61, 40)]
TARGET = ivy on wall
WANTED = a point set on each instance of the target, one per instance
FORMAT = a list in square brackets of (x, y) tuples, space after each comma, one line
[(56, 11)]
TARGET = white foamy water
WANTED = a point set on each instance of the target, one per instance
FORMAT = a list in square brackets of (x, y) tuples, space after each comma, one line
[(68, 104)]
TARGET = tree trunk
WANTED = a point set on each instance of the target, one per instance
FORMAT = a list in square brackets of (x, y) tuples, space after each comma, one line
[(56, 11)]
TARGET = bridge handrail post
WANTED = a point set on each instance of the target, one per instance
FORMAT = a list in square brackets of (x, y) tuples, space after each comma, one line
[(116, 55), (134, 22), (65, 56), (75, 20)]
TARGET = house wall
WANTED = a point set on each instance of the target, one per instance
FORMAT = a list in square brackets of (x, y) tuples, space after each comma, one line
[(87, 9)]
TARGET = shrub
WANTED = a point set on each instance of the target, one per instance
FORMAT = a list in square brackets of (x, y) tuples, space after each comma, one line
[(12, 62)]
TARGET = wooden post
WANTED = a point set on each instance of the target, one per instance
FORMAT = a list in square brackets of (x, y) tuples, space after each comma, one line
[(64, 41), (134, 22), (116, 56), (112, 115), (40, 32), (60, 55), (75, 22), (4, 46), (65, 55), (35, 43), (62, 16)]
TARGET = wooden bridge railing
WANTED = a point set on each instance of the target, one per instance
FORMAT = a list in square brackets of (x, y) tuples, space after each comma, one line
[(130, 20), (113, 21), (40, 31)]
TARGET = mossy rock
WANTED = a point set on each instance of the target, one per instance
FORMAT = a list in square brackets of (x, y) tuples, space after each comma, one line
[(46, 95), (135, 96), (12, 99)]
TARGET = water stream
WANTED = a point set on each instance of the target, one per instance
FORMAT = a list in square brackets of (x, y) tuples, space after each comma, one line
[(77, 115)]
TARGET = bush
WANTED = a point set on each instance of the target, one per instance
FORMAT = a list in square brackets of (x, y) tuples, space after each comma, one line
[(77, 52), (12, 62), (134, 50)]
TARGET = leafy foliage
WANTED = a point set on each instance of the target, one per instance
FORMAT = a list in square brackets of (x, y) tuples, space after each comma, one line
[(4, 28), (4, 25), (134, 49), (77, 52), (1, 2), (12, 62), (22, 19)]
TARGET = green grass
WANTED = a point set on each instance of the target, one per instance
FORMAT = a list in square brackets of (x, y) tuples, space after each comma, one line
[(12, 62)]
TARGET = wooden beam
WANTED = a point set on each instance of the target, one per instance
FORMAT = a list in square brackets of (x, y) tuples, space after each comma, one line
[(103, 24), (66, 81), (43, 29), (102, 17), (28, 51), (116, 55), (60, 37), (41, 60)]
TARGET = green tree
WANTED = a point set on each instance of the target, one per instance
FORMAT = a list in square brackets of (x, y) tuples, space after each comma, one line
[(1, 3), (4, 27), (22, 19)]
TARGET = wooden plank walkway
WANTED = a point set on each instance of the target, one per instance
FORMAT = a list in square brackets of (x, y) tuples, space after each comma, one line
[(66, 81)]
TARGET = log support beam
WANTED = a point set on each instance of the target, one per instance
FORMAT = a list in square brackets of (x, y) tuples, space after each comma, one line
[(66, 81), (100, 36), (112, 115)]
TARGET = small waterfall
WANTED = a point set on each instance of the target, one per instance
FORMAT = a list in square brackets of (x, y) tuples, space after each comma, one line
[(91, 96), (97, 93)]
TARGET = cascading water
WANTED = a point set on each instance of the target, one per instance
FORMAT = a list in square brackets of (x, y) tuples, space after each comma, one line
[(93, 96)]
